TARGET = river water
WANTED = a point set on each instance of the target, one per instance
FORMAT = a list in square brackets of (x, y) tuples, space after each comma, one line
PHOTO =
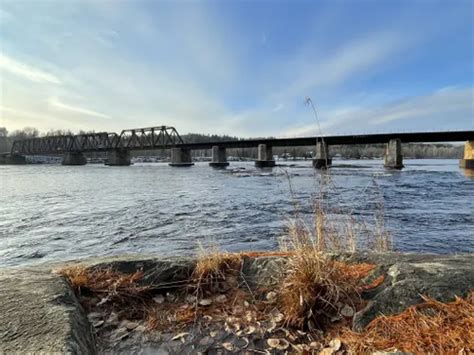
[(57, 213)]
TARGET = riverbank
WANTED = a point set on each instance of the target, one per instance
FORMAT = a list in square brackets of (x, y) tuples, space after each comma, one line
[(232, 303)]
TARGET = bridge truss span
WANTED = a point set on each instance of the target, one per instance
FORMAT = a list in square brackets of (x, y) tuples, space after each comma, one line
[(149, 138), (160, 137)]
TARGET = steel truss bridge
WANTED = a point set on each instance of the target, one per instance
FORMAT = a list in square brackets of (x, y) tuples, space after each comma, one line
[(131, 139), (165, 137)]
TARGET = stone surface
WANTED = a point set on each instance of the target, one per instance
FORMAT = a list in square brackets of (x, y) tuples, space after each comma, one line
[(393, 154), (118, 158), (322, 158), (181, 157), (219, 157), (265, 157), (161, 273), (40, 313), (74, 158), (408, 276)]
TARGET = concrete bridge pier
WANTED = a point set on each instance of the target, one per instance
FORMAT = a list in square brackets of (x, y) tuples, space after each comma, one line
[(12, 159), (265, 157), (74, 158), (468, 161), (181, 157), (393, 155), (321, 159), (118, 157), (219, 157)]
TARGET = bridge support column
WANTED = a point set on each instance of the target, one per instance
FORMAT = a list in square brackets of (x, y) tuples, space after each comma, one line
[(181, 157), (118, 157), (219, 157), (321, 159), (393, 154), (468, 161), (265, 157), (15, 159), (74, 158)]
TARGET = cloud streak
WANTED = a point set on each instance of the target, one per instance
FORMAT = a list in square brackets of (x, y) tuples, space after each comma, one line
[(447, 107), (56, 103), (27, 72)]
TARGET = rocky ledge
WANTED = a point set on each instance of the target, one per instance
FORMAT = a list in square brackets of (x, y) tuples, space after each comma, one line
[(39, 311)]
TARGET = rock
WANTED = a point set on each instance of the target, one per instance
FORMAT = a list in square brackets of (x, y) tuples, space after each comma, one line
[(39, 313), (263, 271), (162, 273), (347, 311), (441, 277)]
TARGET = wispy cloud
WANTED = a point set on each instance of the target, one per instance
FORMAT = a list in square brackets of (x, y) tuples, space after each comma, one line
[(447, 107), (353, 58), (26, 71), (56, 103)]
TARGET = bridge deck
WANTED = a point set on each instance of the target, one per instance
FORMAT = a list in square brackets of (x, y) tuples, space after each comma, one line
[(424, 137), (167, 137)]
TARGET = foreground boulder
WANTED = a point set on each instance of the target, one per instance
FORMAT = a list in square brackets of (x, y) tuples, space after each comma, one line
[(39, 313), (408, 277)]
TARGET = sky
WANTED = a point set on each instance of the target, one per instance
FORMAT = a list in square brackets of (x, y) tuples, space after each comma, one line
[(241, 68)]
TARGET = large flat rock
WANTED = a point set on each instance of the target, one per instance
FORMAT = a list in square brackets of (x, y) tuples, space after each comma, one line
[(408, 277), (39, 313)]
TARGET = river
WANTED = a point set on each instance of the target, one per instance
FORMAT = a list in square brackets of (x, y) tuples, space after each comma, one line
[(57, 213)]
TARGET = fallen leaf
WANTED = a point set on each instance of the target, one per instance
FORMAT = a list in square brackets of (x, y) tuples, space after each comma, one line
[(159, 299), (179, 336), (228, 346), (205, 302), (271, 296), (250, 330), (280, 344), (221, 299), (335, 344)]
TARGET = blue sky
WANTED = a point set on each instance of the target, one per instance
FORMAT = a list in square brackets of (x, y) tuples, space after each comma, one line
[(238, 67)]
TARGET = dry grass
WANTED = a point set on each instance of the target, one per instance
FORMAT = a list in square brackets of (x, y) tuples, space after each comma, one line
[(315, 286), (430, 327), (214, 271), (106, 283)]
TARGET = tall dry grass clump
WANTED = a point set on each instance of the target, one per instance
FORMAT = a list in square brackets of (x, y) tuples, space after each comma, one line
[(311, 289), (315, 285), (214, 271)]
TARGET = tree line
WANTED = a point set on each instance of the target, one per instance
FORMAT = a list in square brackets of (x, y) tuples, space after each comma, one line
[(361, 151)]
